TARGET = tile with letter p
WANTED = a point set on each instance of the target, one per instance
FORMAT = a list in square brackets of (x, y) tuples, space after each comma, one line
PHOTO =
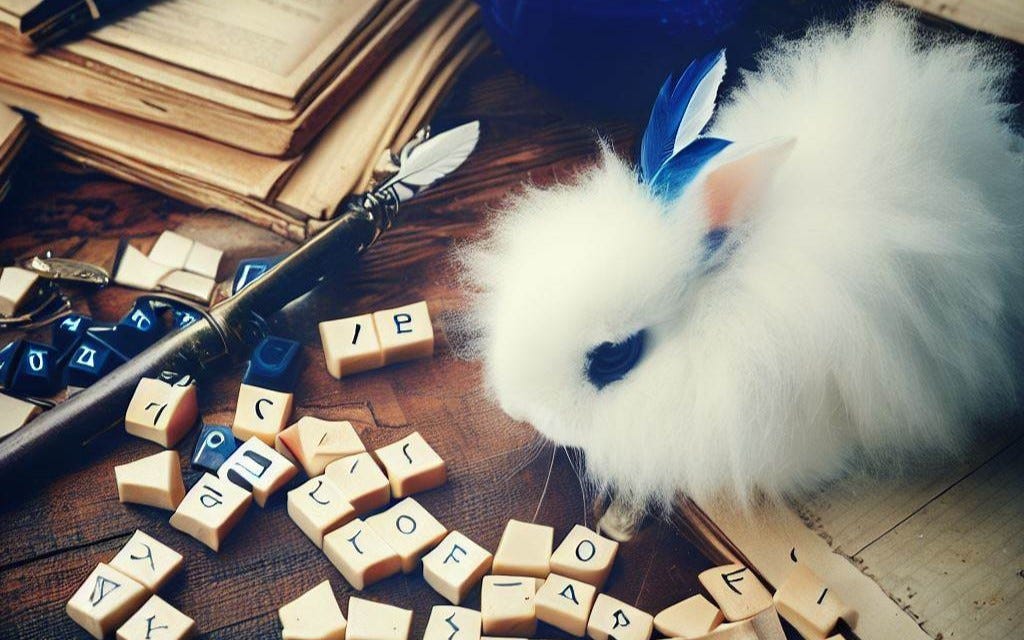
[(105, 600)]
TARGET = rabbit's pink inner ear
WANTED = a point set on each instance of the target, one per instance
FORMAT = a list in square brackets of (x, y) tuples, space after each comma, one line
[(733, 186)]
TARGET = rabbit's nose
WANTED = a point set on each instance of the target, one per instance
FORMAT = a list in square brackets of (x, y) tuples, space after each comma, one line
[(611, 361)]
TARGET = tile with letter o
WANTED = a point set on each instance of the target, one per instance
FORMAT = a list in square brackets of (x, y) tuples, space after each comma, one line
[(453, 623), (317, 508), (585, 555), (361, 481), (154, 481), (736, 591), (613, 618), (257, 468), (211, 509), (409, 529), (261, 413), (157, 620), (455, 566), (565, 603), (368, 620), (105, 600), (161, 412), (524, 550), (313, 615), (405, 333), (147, 560), (412, 465), (360, 554)]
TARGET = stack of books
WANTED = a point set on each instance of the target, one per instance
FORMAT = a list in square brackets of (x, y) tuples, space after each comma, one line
[(274, 110), (12, 136)]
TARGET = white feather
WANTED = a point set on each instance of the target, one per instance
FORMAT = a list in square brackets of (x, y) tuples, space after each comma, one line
[(701, 107), (437, 157)]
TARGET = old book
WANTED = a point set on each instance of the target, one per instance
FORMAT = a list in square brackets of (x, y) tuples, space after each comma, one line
[(261, 188), (935, 554), (265, 76), (13, 133)]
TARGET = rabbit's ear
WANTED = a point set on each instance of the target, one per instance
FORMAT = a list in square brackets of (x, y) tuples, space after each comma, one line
[(733, 185)]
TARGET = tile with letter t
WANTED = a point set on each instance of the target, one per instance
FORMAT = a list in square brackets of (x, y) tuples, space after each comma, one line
[(105, 600), (412, 465), (507, 605), (736, 591), (691, 618), (361, 481), (409, 529), (585, 555), (524, 550), (154, 481), (215, 444), (313, 615), (14, 414), (565, 603), (810, 605), (351, 345), (161, 412), (275, 364), (147, 560), (405, 333), (211, 509), (315, 443), (361, 555), (257, 468), (453, 623), (613, 618), (157, 620), (455, 566), (261, 413), (317, 508), (368, 620)]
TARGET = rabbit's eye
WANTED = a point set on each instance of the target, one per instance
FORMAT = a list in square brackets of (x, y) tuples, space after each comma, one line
[(611, 361)]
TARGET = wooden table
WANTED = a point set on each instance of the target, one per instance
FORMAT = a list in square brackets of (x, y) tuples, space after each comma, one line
[(51, 539)]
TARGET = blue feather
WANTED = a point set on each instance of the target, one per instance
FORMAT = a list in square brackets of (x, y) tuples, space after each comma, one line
[(673, 176), (681, 111)]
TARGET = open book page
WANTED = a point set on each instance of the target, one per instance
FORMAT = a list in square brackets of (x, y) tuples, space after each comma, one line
[(336, 164), (275, 46)]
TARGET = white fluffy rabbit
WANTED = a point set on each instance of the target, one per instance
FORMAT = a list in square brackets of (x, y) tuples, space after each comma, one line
[(826, 275)]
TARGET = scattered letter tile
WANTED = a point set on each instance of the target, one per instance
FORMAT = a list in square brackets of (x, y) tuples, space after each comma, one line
[(585, 555), (315, 443), (524, 550), (318, 508), (204, 260), (315, 615), (105, 600), (412, 465), (147, 560), (368, 620), (452, 623), (351, 345), (507, 605), (215, 444), (189, 285), (764, 625), (16, 287), (613, 618), (154, 480), (257, 468), (361, 481), (409, 529), (361, 555), (565, 603), (171, 250), (692, 618), (136, 270), (211, 508), (736, 591), (810, 605), (405, 333), (161, 412), (455, 566), (157, 620), (261, 413), (14, 414)]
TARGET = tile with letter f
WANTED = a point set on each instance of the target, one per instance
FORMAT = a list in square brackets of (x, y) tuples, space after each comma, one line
[(456, 566), (736, 591)]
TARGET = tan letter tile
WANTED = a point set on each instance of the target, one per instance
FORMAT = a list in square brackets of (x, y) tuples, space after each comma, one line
[(147, 561), (361, 555), (211, 508), (810, 605), (315, 443), (351, 345), (736, 590), (565, 603), (318, 508), (452, 623), (154, 480), (692, 618), (455, 566), (368, 620), (361, 481), (105, 600), (157, 620), (507, 605), (524, 550), (261, 413), (613, 618), (160, 412), (315, 615), (409, 529), (412, 465), (405, 333), (257, 468), (585, 555)]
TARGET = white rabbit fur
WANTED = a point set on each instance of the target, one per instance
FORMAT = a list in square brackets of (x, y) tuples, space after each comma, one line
[(865, 315)]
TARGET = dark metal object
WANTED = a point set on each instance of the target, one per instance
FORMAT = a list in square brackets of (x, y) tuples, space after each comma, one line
[(67, 270)]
